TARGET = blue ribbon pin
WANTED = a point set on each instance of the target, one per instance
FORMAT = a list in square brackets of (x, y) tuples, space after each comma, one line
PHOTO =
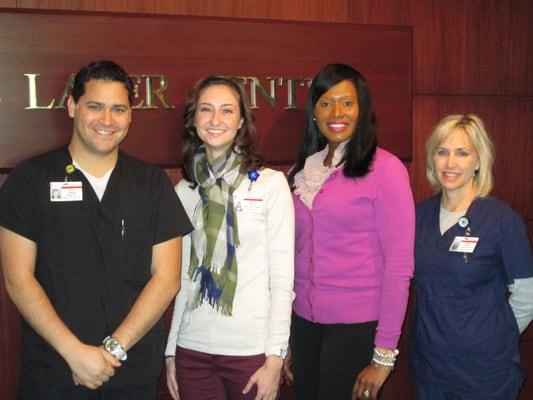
[(252, 176)]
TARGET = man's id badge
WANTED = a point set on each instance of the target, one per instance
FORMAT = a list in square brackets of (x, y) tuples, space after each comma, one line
[(464, 244), (251, 204), (66, 191)]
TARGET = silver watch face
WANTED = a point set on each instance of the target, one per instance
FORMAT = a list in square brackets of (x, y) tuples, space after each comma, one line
[(111, 345), (114, 347)]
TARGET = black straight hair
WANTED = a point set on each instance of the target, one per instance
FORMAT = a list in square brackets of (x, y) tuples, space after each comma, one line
[(361, 147)]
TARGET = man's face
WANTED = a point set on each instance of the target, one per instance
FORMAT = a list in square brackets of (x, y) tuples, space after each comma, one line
[(102, 117)]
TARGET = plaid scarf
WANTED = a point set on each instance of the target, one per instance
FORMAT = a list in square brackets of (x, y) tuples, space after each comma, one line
[(215, 236)]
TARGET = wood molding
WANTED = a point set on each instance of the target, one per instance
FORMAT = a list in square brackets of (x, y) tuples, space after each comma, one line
[(302, 10)]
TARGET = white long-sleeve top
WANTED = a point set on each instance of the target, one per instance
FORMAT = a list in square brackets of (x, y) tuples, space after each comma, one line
[(260, 321), (520, 301)]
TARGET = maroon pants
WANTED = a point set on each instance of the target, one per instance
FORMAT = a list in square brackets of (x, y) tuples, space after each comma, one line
[(203, 376)]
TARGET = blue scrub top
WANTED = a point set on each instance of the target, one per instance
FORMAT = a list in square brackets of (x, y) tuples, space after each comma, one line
[(465, 337)]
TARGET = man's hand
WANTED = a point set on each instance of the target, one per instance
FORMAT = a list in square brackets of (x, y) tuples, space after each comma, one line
[(156, 295), (91, 366)]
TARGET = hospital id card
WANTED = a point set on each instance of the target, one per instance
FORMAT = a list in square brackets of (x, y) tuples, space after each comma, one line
[(66, 191), (464, 244), (251, 204)]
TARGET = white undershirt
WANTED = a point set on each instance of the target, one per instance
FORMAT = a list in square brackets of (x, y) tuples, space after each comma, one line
[(98, 184), (447, 219)]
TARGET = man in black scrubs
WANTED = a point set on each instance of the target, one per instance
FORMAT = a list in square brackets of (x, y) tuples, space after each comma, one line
[(90, 243)]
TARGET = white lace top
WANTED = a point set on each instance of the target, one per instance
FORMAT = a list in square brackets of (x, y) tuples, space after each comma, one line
[(312, 176)]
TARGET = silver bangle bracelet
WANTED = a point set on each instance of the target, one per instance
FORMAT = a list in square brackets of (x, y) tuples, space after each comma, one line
[(385, 364), (386, 359)]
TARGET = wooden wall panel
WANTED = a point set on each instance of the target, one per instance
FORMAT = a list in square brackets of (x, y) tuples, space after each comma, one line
[(462, 47), (473, 47), (526, 352), (388, 12), (8, 3), (9, 345), (302, 10)]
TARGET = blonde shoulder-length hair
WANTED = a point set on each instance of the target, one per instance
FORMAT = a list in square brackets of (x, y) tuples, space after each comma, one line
[(474, 127)]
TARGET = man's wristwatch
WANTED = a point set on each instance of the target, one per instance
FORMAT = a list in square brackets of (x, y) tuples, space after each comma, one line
[(114, 347)]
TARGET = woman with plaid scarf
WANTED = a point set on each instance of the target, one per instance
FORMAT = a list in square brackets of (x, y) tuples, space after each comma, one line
[(231, 319)]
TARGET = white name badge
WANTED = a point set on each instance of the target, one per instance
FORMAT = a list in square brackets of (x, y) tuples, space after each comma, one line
[(464, 244), (66, 191), (251, 204)]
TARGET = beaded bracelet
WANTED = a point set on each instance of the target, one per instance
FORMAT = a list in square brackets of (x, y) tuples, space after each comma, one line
[(386, 359)]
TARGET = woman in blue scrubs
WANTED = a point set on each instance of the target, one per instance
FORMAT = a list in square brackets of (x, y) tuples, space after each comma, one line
[(471, 252)]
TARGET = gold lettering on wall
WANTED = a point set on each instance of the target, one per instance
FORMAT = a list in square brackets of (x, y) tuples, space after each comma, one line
[(255, 85), (156, 86), (270, 97), (292, 83), (148, 101), (32, 89), (66, 92)]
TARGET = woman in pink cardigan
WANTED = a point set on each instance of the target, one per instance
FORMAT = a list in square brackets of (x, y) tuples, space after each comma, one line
[(354, 245)]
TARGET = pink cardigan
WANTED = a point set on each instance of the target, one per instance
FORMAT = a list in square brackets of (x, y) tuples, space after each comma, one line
[(354, 249)]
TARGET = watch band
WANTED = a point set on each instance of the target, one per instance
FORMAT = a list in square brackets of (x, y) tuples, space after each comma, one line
[(282, 353), (115, 348)]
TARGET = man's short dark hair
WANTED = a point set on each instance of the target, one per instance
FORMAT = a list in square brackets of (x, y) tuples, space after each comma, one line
[(104, 70)]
